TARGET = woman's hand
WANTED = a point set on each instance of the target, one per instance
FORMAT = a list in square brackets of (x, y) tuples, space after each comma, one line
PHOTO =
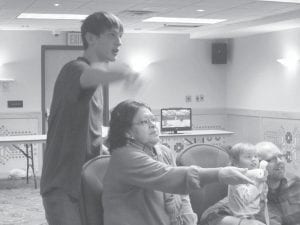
[(234, 175)]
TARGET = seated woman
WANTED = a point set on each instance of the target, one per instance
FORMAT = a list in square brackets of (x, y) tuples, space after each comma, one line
[(142, 184)]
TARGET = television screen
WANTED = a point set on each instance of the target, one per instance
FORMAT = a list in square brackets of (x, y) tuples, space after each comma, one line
[(176, 119)]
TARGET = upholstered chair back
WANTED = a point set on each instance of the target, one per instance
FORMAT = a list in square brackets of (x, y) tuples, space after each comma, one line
[(91, 190), (207, 156)]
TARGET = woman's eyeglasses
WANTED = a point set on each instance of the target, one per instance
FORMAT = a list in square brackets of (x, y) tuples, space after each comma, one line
[(148, 122)]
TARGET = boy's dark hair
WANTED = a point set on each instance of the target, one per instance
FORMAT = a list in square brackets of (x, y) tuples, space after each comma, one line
[(99, 22)]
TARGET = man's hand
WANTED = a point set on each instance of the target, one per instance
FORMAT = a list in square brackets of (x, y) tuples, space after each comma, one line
[(133, 80)]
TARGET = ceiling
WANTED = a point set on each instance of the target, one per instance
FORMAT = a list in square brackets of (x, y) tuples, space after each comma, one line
[(243, 17)]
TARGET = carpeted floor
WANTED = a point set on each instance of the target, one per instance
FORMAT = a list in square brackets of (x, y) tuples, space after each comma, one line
[(20, 203)]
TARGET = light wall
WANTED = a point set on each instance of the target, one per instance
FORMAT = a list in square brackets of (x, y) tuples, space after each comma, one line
[(259, 94), (262, 94), (179, 67), (256, 81), (251, 80), (20, 56)]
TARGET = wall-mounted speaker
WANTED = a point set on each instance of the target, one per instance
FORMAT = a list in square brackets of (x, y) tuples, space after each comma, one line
[(219, 53)]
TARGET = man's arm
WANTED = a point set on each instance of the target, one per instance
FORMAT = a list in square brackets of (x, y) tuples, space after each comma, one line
[(220, 214), (103, 73), (231, 220)]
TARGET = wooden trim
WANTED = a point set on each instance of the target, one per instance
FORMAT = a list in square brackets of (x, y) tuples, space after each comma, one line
[(61, 47), (43, 49), (106, 105)]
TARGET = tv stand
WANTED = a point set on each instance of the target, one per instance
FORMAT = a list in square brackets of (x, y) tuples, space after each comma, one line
[(172, 132), (178, 141)]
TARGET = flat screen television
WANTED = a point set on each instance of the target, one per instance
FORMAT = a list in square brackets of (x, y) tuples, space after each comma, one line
[(175, 119)]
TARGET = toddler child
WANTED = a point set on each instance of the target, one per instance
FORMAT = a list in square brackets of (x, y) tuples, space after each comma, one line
[(245, 200)]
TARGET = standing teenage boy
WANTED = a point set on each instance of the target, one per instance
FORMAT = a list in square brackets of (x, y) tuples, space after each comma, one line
[(75, 121)]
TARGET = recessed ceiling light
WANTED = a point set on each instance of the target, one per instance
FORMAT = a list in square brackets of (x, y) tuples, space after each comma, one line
[(200, 10), (51, 16), (182, 20), (56, 4), (287, 1)]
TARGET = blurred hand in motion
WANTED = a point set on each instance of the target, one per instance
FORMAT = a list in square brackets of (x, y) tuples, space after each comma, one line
[(133, 80), (234, 175)]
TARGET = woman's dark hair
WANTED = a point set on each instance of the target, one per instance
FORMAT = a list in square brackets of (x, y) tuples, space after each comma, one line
[(97, 23), (121, 121)]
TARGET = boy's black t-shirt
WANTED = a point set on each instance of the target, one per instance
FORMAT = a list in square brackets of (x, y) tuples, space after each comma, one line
[(74, 131)]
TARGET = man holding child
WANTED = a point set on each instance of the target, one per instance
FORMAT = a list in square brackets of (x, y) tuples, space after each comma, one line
[(283, 195)]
